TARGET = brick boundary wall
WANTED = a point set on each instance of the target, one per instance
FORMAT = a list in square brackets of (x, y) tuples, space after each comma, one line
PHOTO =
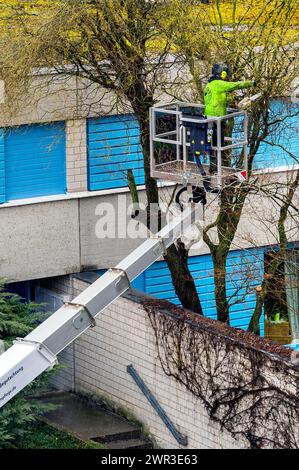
[(96, 364)]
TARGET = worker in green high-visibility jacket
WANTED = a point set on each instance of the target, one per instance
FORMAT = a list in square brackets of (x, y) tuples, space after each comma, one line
[(215, 100), (215, 92)]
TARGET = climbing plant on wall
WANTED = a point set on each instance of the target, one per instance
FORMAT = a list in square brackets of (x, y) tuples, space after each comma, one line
[(246, 385)]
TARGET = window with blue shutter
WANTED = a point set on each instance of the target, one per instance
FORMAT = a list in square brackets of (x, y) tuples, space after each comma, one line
[(35, 160), (113, 148)]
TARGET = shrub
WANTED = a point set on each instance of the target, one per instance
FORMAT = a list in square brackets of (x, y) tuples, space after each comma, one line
[(17, 319)]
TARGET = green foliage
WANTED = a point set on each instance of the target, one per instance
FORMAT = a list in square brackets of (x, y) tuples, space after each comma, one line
[(47, 437), (17, 319)]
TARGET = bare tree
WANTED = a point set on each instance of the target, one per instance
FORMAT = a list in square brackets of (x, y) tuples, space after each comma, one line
[(136, 50), (119, 45), (258, 41), (278, 257)]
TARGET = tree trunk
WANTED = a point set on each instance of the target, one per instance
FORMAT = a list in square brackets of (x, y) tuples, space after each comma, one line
[(231, 203), (177, 256), (254, 325), (183, 282)]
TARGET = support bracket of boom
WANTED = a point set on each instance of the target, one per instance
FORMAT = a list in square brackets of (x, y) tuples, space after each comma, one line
[(81, 317)]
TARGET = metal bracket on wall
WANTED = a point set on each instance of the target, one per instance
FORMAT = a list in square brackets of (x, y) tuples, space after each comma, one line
[(182, 440)]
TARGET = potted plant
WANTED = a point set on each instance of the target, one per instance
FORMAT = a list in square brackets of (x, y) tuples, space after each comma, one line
[(277, 328)]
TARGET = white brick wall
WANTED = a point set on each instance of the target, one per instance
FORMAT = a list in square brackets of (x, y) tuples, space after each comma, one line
[(124, 336), (64, 378), (76, 155), (97, 364)]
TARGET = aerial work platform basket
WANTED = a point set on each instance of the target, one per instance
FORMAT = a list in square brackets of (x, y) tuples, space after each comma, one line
[(188, 147)]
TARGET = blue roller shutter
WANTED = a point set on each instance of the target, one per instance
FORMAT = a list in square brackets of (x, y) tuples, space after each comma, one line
[(2, 167), (245, 270), (113, 148), (284, 135), (35, 160)]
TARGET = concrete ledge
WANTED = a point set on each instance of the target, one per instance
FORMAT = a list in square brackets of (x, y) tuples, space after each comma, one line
[(75, 195)]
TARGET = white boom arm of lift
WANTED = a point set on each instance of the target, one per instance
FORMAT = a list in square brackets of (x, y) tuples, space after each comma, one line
[(31, 356)]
